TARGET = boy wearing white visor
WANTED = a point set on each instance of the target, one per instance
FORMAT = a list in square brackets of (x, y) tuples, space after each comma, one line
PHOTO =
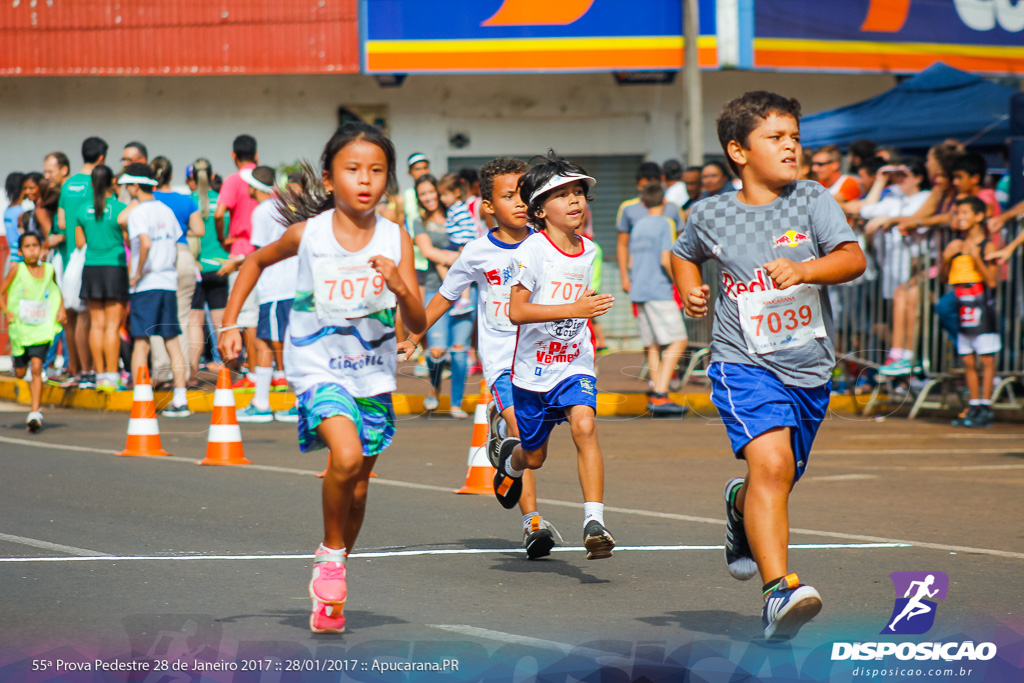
[(553, 367), (275, 290), (153, 233)]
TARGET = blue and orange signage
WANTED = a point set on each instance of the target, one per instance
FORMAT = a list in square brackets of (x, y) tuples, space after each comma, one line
[(900, 36), (467, 36)]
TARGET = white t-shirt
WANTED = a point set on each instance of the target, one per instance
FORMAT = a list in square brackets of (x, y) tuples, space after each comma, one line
[(677, 194), (547, 353), (155, 219), (487, 261), (277, 283)]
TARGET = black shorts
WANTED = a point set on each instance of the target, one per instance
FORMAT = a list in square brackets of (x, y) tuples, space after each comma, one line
[(212, 290), (28, 353), (104, 283)]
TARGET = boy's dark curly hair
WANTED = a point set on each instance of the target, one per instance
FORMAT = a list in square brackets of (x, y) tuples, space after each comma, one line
[(496, 167)]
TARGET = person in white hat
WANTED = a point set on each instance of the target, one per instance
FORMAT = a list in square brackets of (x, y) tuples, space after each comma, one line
[(553, 367)]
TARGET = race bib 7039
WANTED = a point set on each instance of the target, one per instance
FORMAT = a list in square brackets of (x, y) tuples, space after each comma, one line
[(781, 319)]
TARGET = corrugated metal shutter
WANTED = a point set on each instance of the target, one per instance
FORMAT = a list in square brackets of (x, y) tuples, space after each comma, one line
[(178, 37), (615, 183)]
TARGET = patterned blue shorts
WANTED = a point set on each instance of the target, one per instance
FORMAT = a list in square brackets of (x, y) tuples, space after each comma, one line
[(374, 417)]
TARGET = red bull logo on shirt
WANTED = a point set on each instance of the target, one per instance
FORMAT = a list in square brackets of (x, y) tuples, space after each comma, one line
[(790, 238), (733, 288)]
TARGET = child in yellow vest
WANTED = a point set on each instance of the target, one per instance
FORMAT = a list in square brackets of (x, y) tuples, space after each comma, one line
[(35, 313)]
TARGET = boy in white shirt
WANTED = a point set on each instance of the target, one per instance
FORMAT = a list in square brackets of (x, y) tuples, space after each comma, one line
[(276, 291), (488, 262), (153, 233), (553, 366)]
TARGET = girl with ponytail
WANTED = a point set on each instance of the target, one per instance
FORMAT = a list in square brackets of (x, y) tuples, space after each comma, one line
[(105, 274), (340, 349)]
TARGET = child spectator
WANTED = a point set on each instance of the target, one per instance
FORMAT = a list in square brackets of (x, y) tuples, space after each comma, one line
[(657, 314), (460, 226), (34, 308), (968, 177), (974, 279), (631, 210)]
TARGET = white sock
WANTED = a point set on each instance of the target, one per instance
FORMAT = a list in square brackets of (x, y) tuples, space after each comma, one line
[(251, 376), (974, 402), (278, 374), (593, 511), (515, 474), (180, 397), (262, 397), (334, 550), (985, 402), (908, 354), (527, 517), (895, 353)]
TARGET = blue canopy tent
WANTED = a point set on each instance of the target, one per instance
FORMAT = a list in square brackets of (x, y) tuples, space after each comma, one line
[(939, 103)]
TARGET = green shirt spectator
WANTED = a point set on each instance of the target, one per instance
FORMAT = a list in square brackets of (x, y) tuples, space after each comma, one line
[(76, 192), (103, 236)]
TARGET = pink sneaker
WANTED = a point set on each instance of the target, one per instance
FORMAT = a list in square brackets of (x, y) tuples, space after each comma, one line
[(328, 582), (326, 618)]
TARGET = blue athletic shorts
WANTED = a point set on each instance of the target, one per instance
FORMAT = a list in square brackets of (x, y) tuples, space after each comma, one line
[(154, 313), (752, 400), (537, 413), (501, 390), (374, 417), (273, 320)]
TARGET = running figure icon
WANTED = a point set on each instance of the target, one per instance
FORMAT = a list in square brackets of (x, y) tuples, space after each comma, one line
[(915, 606)]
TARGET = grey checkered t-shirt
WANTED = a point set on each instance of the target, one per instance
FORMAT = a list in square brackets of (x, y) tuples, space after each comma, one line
[(803, 223)]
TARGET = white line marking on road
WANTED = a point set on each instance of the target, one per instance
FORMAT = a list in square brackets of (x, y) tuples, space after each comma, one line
[(917, 451), (843, 477), (924, 468), (46, 545), (890, 437), (563, 503), (413, 553), (502, 637)]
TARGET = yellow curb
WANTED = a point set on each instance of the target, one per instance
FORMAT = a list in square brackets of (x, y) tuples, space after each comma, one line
[(608, 404)]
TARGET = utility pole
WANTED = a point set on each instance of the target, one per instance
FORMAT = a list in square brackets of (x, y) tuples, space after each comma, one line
[(693, 97)]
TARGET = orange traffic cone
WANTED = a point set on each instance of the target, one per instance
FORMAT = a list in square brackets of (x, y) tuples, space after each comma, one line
[(143, 430), (224, 443), (479, 473)]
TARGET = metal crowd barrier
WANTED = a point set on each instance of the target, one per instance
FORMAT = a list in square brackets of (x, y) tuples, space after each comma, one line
[(909, 268), (864, 315)]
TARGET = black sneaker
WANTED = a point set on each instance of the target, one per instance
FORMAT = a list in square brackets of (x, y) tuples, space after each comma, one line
[(493, 434), (983, 417), (507, 489), (87, 381), (539, 538), (598, 542), (965, 417), (787, 607), (738, 558), (660, 405)]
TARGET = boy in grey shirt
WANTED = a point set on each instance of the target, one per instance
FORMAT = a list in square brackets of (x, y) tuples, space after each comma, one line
[(779, 242)]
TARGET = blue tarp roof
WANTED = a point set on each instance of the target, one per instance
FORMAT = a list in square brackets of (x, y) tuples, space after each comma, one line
[(939, 103)]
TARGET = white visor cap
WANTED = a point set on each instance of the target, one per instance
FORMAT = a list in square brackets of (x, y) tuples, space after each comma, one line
[(246, 175), (559, 180), (135, 180)]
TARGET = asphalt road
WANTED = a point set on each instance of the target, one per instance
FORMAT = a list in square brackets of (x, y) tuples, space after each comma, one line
[(133, 560)]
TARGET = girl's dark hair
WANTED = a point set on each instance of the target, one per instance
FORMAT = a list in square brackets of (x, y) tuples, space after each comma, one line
[(14, 184), (542, 169), (102, 179), (162, 169), (918, 168), (311, 198), (425, 178), (202, 172), (35, 177)]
